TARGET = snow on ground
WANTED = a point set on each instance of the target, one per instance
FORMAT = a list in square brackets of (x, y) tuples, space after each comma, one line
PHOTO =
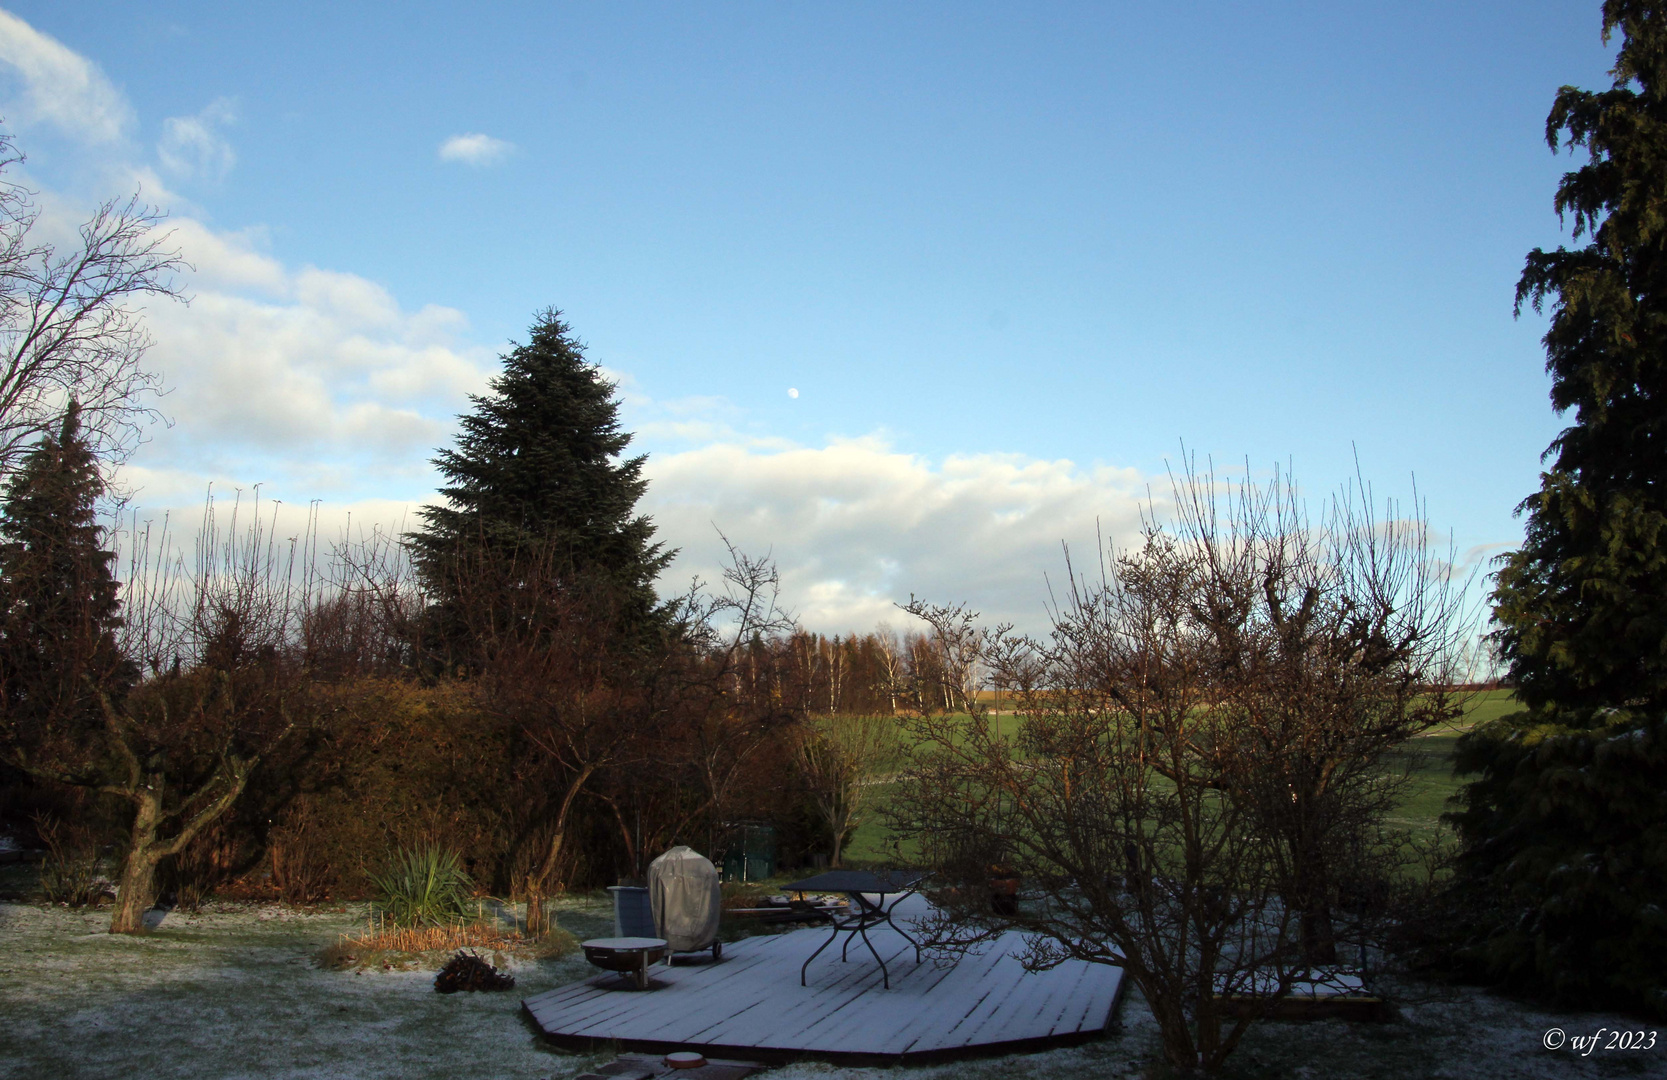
[(235, 992)]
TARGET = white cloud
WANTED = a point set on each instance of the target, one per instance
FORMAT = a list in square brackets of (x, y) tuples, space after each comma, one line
[(326, 366), (856, 525), (52, 84), (192, 147), (228, 260), (475, 149)]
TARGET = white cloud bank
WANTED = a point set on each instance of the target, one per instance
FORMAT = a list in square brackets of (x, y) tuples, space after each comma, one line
[(857, 525), (295, 376), (475, 149), (52, 84)]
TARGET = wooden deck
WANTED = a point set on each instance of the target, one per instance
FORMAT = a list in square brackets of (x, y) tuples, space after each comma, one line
[(750, 1004)]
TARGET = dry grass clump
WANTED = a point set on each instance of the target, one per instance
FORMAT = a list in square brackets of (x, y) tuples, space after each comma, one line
[(407, 946), (430, 938)]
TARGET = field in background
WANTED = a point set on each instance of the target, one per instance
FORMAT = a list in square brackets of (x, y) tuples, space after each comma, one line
[(1431, 781), (1430, 758)]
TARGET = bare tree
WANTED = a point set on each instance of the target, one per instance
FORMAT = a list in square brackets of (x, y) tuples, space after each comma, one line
[(1111, 803), (723, 724), (559, 662), (891, 675), (960, 644), (1198, 778), (842, 760), (1334, 641), (69, 325)]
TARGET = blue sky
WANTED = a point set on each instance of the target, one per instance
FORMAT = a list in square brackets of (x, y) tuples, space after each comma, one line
[(1010, 256)]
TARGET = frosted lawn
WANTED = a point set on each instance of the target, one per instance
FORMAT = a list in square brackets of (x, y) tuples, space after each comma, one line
[(235, 992)]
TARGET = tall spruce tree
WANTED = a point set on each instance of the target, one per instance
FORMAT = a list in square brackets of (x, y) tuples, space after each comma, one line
[(58, 596), (1565, 829), (537, 474)]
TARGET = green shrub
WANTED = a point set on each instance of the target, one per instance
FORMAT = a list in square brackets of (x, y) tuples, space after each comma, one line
[(423, 885), (1564, 864)]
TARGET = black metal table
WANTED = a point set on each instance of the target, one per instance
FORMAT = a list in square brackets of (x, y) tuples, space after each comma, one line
[(859, 885)]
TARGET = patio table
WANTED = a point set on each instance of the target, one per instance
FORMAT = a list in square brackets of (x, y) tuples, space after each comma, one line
[(859, 885)]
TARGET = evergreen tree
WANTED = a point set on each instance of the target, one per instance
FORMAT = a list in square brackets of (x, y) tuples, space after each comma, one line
[(58, 597), (1565, 830), (537, 475)]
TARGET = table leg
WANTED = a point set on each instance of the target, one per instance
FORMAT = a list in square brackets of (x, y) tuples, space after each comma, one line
[(817, 953), (885, 976), (890, 922), (905, 934), (845, 949)]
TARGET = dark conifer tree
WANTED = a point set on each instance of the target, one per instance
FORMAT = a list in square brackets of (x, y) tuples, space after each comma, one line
[(1565, 830), (537, 475), (59, 606)]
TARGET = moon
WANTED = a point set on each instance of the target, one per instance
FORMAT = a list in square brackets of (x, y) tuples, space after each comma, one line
[(792, 391)]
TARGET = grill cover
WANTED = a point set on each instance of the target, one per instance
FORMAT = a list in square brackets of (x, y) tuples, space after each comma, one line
[(683, 888)]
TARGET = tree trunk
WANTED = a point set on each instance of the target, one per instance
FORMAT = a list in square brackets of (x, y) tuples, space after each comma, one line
[(840, 826), (1319, 936), (538, 912), (137, 892), (1313, 902), (1178, 1045), (540, 881)]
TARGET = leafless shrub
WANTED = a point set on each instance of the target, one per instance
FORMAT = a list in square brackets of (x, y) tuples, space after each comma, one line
[(300, 872), (70, 872), (1197, 782)]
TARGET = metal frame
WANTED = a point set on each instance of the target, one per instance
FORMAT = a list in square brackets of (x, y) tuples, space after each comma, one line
[(867, 914)]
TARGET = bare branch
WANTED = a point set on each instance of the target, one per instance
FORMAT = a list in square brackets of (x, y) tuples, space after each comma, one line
[(70, 325)]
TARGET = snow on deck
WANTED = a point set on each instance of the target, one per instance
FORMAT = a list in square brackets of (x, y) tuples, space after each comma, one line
[(751, 1002)]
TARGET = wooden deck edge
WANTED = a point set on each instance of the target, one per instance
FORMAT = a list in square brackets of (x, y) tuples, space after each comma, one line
[(1116, 997), (784, 1056), (772, 1056)]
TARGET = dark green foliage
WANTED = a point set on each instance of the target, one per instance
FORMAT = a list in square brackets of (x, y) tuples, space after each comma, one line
[(423, 887), (1566, 855), (58, 597), (1582, 607), (537, 475), (1565, 831)]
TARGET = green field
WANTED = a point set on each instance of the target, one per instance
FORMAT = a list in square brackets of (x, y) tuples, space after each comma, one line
[(1431, 780)]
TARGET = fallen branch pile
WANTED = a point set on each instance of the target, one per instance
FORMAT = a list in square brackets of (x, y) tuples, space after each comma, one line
[(467, 971)]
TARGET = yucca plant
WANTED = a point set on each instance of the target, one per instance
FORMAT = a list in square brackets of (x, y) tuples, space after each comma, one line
[(423, 886)]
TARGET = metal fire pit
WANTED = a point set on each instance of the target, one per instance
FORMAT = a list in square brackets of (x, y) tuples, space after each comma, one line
[(627, 955)]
